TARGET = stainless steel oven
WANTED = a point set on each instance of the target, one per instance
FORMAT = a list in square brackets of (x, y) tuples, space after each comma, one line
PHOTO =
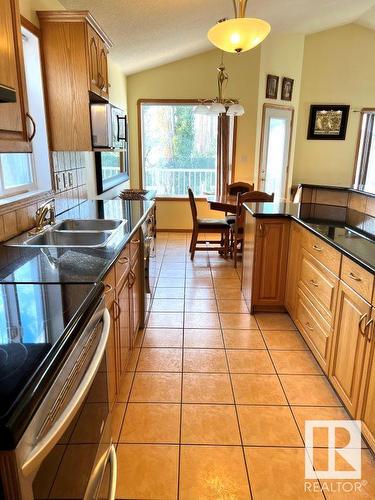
[(148, 269), (66, 450)]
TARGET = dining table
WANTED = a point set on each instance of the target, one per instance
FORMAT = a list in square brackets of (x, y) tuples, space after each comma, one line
[(223, 203)]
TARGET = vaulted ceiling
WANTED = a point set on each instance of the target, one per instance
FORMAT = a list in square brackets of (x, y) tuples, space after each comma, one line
[(147, 33)]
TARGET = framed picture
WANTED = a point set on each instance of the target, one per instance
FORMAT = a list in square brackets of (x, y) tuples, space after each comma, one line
[(328, 121), (272, 86), (287, 89)]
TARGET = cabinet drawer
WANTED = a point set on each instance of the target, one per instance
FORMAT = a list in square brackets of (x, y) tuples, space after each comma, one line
[(122, 265), (318, 281), (323, 252), (314, 329), (357, 278), (110, 285)]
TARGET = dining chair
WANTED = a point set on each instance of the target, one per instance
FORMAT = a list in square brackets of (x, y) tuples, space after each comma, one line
[(211, 226), (239, 187), (237, 228)]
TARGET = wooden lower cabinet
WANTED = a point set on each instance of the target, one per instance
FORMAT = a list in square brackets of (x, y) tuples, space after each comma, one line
[(122, 320), (135, 291), (366, 407), (293, 268), (349, 346)]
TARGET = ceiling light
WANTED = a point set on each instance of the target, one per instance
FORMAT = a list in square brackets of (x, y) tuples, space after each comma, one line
[(239, 34)]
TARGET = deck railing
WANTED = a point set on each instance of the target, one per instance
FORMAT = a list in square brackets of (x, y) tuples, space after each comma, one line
[(174, 182)]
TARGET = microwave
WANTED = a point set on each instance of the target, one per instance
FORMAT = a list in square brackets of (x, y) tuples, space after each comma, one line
[(108, 126)]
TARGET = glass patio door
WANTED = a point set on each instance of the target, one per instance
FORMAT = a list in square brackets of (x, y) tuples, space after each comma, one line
[(274, 162)]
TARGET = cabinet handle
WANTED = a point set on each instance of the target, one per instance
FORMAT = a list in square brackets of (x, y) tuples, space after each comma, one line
[(31, 137), (317, 249), (131, 279), (370, 329), (261, 230), (136, 242), (108, 288), (360, 324), (118, 309), (354, 277), (314, 283), (123, 260), (309, 326)]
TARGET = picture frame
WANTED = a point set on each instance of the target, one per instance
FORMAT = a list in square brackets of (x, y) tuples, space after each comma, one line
[(287, 89), (272, 86), (328, 122)]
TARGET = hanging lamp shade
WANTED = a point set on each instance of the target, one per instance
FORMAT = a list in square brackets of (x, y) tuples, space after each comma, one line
[(239, 34)]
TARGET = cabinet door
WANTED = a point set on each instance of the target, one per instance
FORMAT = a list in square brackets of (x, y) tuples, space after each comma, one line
[(103, 69), (13, 118), (293, 268), (270, 263), (135, 299), (93, 55), (111, 356), (349, 346), (123, 327), (366, 411)]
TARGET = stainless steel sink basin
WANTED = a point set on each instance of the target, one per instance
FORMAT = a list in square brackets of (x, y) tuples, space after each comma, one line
[(88, 225), (68, 239)]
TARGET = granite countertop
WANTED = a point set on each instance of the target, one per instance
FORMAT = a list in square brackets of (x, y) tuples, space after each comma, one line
[(331, 223), (74, 265)]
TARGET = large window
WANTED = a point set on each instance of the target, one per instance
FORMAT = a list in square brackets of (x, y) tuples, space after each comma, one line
[(365, 165), (16, 173), (179, 149)]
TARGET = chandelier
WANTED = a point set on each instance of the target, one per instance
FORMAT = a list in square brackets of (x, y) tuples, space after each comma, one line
[(220, 105), (239, 34)]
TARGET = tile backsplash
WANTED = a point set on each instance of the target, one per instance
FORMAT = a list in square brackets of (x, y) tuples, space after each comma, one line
[(69, 190)]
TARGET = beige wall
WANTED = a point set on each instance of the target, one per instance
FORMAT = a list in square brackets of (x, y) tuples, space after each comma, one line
[(190, 78), (281, 55), (338, 68), (28, 8)]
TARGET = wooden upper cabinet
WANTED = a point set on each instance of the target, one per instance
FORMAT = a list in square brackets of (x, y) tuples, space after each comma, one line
[(14, 119), (350, 341), (73, 47)]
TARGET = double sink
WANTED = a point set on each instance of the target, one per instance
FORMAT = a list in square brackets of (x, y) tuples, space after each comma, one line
[(73, 233)]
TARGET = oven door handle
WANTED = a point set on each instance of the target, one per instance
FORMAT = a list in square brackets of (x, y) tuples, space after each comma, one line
[(45, 445), (113, 480)]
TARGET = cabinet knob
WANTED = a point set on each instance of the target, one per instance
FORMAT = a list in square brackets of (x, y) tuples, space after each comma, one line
[(309, 326), (108, 288), (317, 249), (123, 260), (314, 283), (354, 277)]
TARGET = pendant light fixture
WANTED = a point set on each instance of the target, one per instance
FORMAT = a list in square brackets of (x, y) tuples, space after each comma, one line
[(220, 105), (239, 34)]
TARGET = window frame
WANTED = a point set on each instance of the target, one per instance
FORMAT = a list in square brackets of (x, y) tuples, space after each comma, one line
[(142, 101), (361, 159), (22, 188)]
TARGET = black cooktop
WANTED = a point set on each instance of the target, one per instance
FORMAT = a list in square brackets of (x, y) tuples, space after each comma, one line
[(35, 320)]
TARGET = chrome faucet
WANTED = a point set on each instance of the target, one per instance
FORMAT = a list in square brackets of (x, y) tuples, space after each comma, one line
[(41, 220)]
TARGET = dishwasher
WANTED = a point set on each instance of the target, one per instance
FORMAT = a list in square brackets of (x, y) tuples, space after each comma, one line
[(66, 450)]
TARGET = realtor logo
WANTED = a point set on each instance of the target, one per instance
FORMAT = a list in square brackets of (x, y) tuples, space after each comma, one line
[(350, 454)]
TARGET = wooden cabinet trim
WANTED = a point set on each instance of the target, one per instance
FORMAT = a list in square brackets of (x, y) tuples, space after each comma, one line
[(357, 278)]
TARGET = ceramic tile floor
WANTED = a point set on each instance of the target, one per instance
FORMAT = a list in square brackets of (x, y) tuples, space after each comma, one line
[(214, 401)]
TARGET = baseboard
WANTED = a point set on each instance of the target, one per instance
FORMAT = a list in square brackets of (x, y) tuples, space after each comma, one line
[(173, 230)]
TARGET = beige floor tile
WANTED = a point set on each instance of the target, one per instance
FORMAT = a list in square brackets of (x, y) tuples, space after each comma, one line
[(171, 282), (202, 320), (209, 424), (243, 339), (151, 423), (156, 387), (167, 305), (229, 294), (238, 321), (125, 386), (203, 338), (225, 272), (303, 413), (163, 337), (199, 293), (232, 306), (162, 360), (169, 293), (275, 321), (284, 340), (268, 426), (193, 272), (310, 390), (118, 413), (295, 362), (213, 472), (172, 272), (278, 473), (147, 471), (133, 360), (333, 488), (205, 360), (205, 282), (201, 306), (227, 283), (247, 361), (207, 388), (257, 389), (165, 320)]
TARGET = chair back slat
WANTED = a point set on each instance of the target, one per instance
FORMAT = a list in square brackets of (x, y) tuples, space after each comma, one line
[(239, 187), (251, 196), (193, 206)]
